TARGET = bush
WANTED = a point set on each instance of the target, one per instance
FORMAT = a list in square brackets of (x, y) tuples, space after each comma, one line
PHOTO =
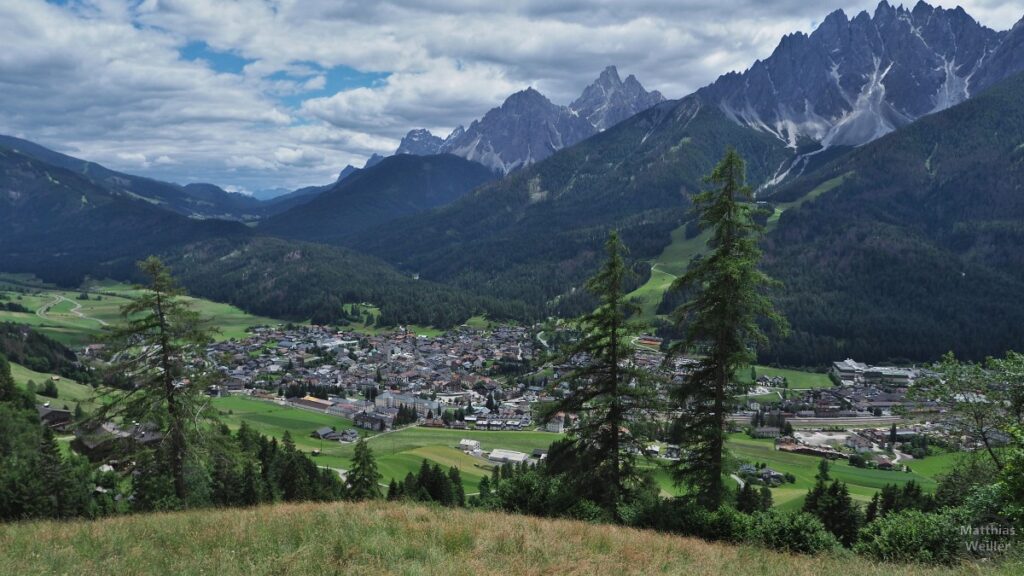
[(913, 536), (792, 532), (688, 519)]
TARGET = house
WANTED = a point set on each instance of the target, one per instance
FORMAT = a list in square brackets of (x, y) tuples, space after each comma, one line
[(54, 418), (858, 443), (350, 435), (772, 477), (747, 470), (556, 424), (369, 421), (326, 433), (469, 445)]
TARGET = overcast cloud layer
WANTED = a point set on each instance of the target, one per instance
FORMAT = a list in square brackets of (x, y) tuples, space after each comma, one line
[(284, 93)]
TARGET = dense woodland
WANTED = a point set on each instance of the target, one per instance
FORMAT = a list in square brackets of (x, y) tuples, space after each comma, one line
[(40, 353), (917, 251), (302, 281)]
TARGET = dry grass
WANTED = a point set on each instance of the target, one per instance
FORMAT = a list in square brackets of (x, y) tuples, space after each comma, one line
[(381, 538)]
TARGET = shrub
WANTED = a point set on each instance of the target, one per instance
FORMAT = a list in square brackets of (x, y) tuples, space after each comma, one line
[(689, 519), (912, 536), (792, 532)]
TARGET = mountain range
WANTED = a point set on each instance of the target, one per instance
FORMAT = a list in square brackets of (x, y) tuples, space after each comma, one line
[(854, 80), (528, 127), (888, 145)]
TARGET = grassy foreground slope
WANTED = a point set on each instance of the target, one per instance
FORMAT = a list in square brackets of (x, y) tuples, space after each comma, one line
[(381, 538)]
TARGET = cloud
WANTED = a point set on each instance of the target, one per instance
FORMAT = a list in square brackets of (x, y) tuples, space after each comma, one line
[(245, 94)]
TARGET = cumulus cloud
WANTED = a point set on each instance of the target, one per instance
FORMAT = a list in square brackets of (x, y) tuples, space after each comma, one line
[(107, 80)]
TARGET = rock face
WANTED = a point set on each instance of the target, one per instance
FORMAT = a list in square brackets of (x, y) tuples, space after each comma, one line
[(420, 142), (528, 127), (854, 80), (609, 100)]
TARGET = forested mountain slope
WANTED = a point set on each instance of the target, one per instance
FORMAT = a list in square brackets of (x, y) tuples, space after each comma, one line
[(198, 200), (398, 186), (919, 249), (62, 226), (537, 233)]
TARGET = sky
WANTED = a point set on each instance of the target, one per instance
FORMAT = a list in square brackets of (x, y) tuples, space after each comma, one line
[(263, 94)]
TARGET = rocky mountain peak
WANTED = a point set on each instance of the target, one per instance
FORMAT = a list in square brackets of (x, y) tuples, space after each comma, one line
[(528, 127), (420, 142), (853, 80)]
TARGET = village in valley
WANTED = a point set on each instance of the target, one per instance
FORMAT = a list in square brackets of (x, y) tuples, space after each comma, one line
[(473, 380)]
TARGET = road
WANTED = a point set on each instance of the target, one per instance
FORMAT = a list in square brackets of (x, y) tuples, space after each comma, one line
[(76, 310)]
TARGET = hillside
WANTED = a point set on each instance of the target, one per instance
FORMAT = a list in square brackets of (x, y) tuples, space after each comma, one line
[(916, 246), (200, 200), (398, 186), (301, 281), (537, 233), (381, 538), (62, 226)]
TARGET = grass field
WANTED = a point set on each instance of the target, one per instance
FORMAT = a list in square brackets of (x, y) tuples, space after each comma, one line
[(397, 453), (382, 538), (665, 268), (62, 316), (69, 392), (797, 379), (863, 482)]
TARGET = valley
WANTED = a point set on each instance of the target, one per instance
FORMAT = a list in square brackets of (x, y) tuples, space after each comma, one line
[(304, 288)]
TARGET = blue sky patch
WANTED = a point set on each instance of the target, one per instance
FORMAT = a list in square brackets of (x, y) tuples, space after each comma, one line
[(224, 62), (336, 79)]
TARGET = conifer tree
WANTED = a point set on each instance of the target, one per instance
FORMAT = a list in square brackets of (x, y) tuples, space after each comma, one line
[(610, 396), (458, 492), (766, 498), (157, 349), (363, 478), (720, 322)]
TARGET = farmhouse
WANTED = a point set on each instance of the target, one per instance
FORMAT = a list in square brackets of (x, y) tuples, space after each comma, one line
[(469, 445), (54, 418)]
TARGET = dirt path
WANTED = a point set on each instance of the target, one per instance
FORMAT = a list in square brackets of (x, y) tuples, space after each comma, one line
[(76, 310)]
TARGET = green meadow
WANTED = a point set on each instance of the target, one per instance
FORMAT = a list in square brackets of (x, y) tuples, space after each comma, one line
[(62, 316), (378, 538), (863, 482), (397, 452), (69, 392)]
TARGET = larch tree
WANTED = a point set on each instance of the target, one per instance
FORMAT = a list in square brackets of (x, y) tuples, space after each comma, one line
[(720, 322), (159, 351)]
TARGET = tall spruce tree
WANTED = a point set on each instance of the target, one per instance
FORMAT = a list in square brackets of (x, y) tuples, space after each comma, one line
[(611, 396), (720, 322), (159, 348)]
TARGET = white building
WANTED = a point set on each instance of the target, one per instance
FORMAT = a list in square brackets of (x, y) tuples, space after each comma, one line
[(501, 456)]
